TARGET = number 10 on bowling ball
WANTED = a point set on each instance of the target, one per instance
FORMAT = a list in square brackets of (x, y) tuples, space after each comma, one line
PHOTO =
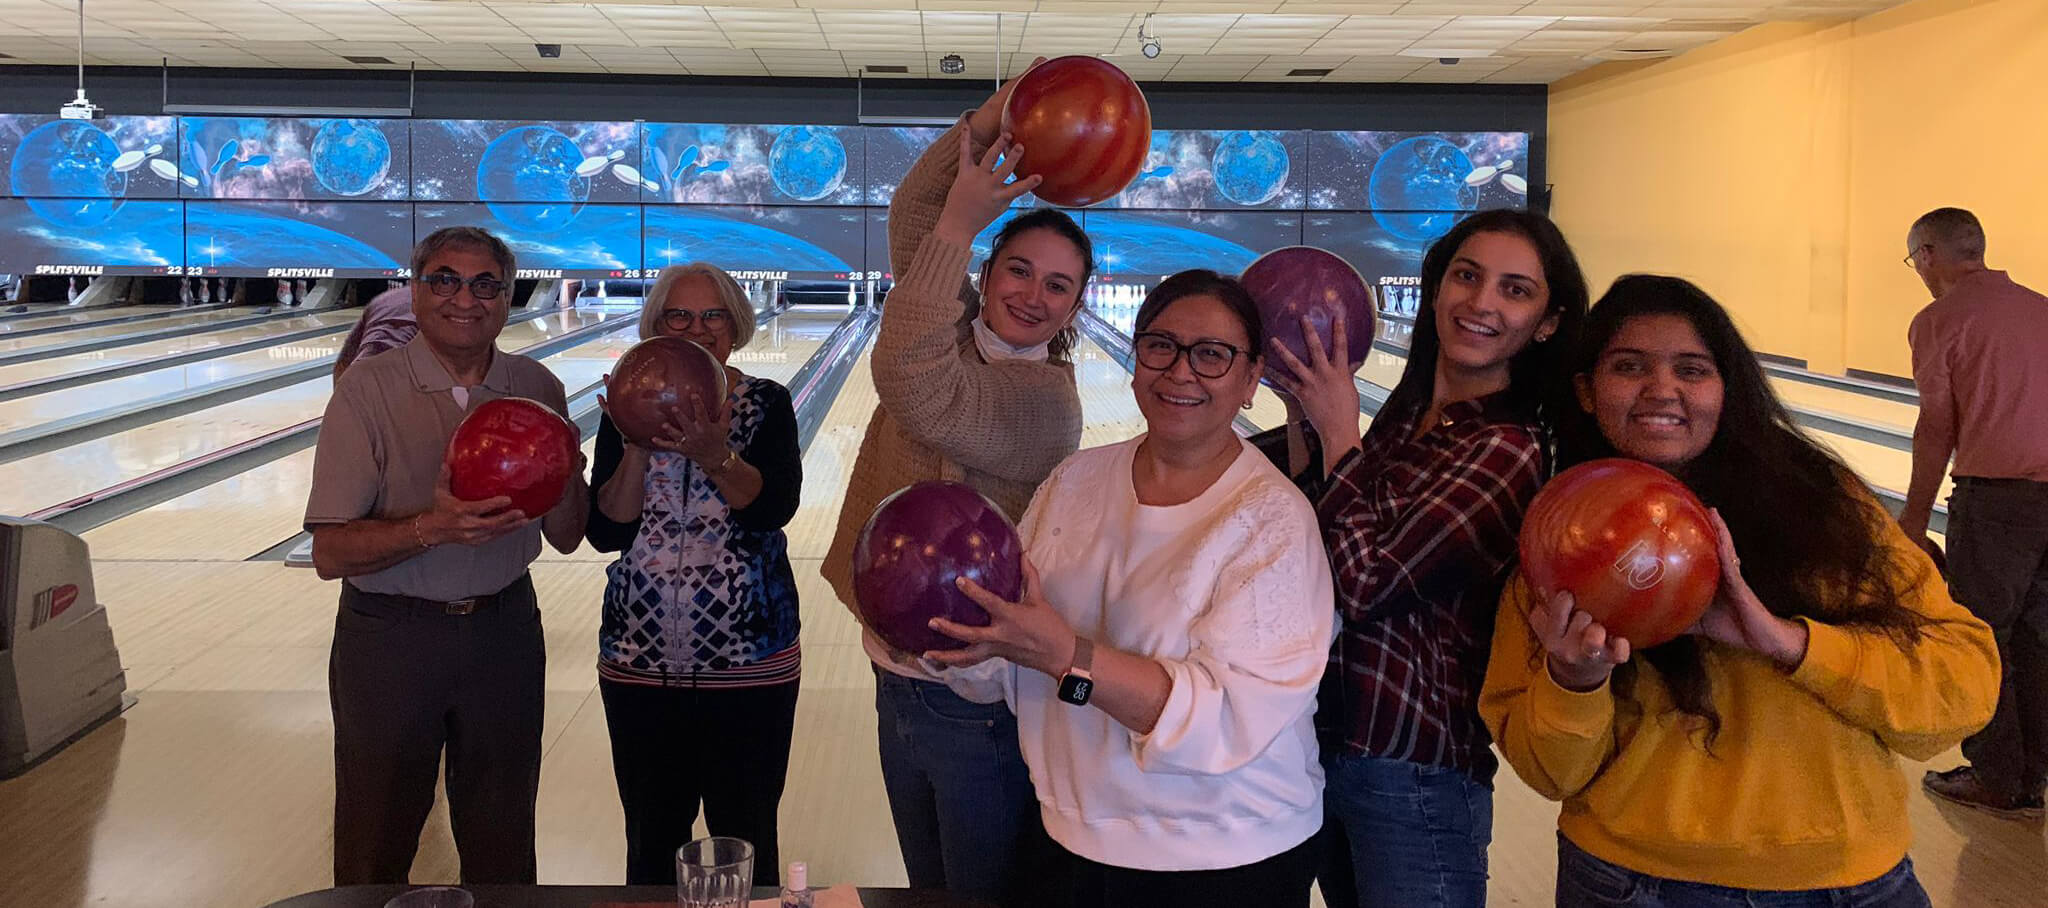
[(1631, 544)]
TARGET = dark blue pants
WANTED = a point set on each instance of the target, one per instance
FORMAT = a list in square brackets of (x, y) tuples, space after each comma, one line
[(966, 816), (1402, 835), (1584, 881)]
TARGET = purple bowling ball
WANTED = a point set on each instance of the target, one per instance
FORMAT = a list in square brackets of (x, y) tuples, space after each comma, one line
[(1303, 280), (920, 540)]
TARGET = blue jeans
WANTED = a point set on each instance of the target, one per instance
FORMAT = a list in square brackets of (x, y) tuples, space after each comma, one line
[(1584, 880), (966, 816), (1403, 835)]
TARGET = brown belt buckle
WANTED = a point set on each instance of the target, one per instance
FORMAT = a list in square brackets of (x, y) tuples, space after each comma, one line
[(460, 606)]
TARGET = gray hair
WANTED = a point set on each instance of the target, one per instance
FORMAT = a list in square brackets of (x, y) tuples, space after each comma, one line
[(475, 239), (1955, 232), (729, 295)]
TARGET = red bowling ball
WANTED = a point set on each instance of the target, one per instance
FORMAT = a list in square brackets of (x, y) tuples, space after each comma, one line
[(919, 541), (1085, 128), (1297, 281), (1631, 544), (513, 447), (655, 379)]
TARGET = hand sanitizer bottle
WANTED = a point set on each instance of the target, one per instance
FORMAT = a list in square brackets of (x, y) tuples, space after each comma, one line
[(796, 886)]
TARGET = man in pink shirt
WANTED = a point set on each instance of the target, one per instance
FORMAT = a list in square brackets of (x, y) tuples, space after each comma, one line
[(1980, 359)]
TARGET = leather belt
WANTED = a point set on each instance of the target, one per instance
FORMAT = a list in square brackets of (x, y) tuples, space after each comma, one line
[(467, 606)]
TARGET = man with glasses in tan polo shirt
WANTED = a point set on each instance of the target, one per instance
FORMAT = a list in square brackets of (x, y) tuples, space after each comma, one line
[(438, 640), (1980, 360)]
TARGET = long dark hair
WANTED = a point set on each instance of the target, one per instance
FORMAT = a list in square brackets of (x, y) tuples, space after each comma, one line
[(1539, 383), (1831, 564), (1202, 281), (1062, 345)]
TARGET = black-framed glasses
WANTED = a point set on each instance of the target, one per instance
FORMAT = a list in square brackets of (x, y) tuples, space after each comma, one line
[(1207, 359), (1910, 256), (682, 319), (483, 286)]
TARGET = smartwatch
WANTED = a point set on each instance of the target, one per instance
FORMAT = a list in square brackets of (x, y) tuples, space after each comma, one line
[(1077, 684)]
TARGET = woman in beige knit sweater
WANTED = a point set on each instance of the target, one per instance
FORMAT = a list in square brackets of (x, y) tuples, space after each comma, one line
[(976, 387)]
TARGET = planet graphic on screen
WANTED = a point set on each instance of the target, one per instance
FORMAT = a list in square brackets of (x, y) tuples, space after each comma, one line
[(74, 161), (1418, 190), (222, 237), (679, 236), (534, 166), (351, 157), (807, 163), (1131, 246), (1250, 167)]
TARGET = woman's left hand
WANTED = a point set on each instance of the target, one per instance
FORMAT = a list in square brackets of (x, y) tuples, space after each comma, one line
[(1029, 632), (702, 435), (1737, 618)]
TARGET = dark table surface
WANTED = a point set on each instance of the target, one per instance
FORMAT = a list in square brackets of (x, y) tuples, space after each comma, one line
[(592, 896)]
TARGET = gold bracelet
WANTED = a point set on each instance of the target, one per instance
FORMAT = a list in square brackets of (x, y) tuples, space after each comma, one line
[(418, 536), (724, 465)]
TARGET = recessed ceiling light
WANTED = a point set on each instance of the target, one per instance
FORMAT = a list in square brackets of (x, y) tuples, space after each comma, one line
[(1308, 72), (874, 68), (382, 60)]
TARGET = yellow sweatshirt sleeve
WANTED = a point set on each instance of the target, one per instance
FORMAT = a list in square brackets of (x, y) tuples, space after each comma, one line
[(1556, 739), (1920, 698)]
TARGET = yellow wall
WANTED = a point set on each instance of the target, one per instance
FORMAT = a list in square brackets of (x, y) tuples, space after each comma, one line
[(1780, 168)]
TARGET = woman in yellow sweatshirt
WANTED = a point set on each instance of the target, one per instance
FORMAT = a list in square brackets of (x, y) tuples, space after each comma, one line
[(1753, 760)]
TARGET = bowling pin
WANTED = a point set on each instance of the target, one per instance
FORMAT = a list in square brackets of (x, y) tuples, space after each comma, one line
[(1481, 176), (627, 174), (591, 165), (1515, 184), (163, 168), (129, 160)]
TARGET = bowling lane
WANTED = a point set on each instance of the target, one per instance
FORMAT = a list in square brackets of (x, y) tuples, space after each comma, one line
[(181, 320), (35, 370), (55, 317), (58, 476), (255, 510), (40, 408), (1848, 404)]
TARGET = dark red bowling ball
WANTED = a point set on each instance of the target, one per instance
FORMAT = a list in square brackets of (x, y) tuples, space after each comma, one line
[(919, 541), (514, 447), (1631, 544), (656, 378), (1085, 128), (1298, 281)]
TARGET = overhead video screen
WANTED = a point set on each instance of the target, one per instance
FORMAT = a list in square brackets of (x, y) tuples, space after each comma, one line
[(294, 158), (91, 236), (1216, 168), (550, 241), (1149, 245), (1450, 172), (728, 164), (878, 241), (760, 243), (1387, 260), (114, 158), (558, 163), (248, 238), (891, 150)]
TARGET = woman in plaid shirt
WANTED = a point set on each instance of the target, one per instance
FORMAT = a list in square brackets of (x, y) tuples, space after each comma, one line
[(1420, 517)]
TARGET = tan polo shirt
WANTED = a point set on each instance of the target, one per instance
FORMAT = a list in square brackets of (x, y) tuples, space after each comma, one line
[(380, 451)]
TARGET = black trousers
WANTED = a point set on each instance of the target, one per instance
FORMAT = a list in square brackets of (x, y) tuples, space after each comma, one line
[(1998, 569), (406, 681), (674, 748), (1281, 881)]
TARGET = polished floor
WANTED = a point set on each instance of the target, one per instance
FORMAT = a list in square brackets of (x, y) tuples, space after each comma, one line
[(215, 788)]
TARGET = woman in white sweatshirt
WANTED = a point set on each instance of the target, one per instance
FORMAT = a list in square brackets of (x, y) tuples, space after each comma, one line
[(1164, 659)]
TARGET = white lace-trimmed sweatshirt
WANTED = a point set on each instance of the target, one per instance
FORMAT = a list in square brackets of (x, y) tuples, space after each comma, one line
[(1231, 593)]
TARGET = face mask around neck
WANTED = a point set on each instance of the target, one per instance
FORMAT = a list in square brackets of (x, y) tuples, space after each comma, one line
[(995, 350)]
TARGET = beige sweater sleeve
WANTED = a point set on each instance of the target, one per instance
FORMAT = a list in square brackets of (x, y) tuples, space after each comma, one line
[(1013, 420)]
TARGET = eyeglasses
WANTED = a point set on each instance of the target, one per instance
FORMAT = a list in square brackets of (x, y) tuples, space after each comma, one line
[(1910, 256), (482, 287), (681, 319), (1207, 359)]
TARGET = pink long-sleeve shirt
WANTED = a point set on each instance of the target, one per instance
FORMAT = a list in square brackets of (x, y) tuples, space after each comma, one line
[(1980, 359)]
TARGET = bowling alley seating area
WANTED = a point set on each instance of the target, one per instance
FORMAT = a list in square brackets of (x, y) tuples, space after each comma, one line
[(201, 201)]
